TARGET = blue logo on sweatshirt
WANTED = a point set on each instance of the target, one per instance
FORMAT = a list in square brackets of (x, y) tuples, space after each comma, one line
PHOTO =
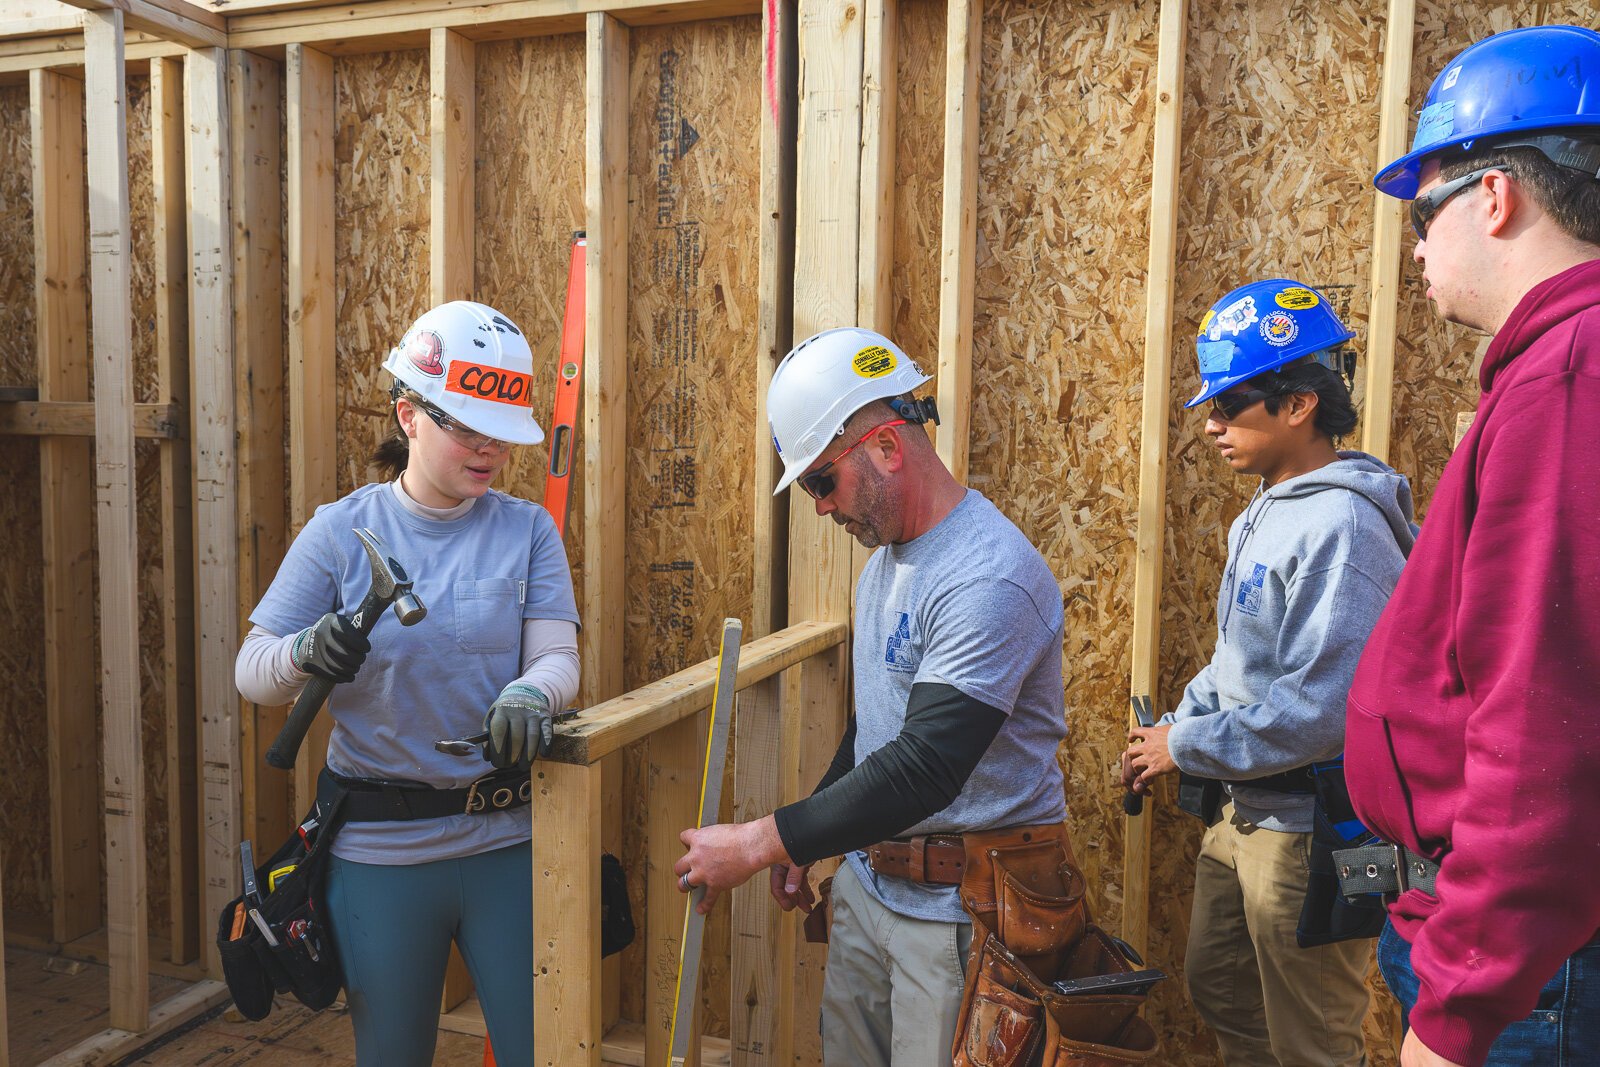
[(1249, 598), (897, 651)]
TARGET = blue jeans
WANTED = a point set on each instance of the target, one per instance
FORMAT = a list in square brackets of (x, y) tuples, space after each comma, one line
[(1563, 1029), (393, 927)]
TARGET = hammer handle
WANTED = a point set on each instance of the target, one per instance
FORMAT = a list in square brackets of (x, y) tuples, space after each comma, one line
[(287, 746)]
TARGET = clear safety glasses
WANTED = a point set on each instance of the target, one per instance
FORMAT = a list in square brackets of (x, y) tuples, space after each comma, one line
[(459, 432)]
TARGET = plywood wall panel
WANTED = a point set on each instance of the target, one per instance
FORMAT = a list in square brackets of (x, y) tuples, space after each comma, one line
[(918, 180), (381, 164), (694, 157)]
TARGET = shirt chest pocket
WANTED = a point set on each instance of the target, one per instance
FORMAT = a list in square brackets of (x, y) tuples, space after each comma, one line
[(489, 614)]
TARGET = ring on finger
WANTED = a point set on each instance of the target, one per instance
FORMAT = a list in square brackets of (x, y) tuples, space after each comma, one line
[(683, 882)]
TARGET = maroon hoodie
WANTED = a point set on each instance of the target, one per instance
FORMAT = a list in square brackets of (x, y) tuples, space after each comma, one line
[(1473, 734)]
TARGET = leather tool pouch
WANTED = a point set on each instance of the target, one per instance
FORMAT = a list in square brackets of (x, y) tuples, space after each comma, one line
[(1030, 927), (820, 918)]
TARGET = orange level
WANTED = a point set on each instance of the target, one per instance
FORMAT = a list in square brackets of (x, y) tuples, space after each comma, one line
[(569, 378)]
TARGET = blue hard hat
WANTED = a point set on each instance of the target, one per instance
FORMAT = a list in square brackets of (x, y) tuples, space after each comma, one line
[(1263, 326), (1526, 80)]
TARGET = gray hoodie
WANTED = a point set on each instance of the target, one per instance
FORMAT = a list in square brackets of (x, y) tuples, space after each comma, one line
[(1311, 563)]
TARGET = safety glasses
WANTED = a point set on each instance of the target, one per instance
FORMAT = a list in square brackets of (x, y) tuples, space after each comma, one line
[(819, 483), (1229, 406), (459, 432), (1426, 206)]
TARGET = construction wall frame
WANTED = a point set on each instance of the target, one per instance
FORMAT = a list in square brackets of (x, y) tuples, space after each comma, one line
[(1059, 331)]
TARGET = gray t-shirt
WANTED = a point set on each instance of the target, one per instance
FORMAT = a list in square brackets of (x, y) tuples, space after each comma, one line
[(971, 604), (479, 575)]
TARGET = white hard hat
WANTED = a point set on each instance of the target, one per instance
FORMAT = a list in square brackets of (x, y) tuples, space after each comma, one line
[(472, 363), (822, 382)]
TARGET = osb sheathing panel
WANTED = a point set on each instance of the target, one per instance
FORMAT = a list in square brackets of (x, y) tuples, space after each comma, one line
[(24, 787), (381, 164), (694, 152), (918, 179)]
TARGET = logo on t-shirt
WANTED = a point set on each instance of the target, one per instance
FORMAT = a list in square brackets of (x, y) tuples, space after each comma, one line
[(1249, 599), (897, 651)]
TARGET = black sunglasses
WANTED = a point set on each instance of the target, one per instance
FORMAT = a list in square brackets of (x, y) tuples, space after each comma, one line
[(1231, 405), (1426, 206)]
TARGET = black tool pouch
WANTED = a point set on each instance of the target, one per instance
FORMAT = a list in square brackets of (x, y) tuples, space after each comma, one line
[(294, 953), (1200, 797), (1327, 916)]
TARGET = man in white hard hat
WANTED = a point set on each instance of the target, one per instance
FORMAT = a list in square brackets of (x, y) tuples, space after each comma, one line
[(958, 708)]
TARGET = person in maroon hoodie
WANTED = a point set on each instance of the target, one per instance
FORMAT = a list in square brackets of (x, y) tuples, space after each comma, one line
[(1473, 734)]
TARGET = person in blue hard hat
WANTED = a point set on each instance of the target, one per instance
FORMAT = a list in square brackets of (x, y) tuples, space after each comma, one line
[(1311, 563), (1473, 738)]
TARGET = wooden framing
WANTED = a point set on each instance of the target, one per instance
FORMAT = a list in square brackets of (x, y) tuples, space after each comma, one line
[(1151, 536), (171, 20), (959, 238), (453, 108), (177, 532), (566, 916), (1388, 228), (217, 578), (66, 493), (75, 418), (879, 76), (312, 424)]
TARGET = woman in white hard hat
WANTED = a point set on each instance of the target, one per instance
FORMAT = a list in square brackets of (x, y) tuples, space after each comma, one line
[(433, 849)]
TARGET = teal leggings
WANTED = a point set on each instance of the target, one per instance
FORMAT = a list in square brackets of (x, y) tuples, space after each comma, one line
[(393, 927)]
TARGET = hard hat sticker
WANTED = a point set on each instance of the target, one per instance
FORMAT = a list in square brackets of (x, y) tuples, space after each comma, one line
[(1205, 324), (874, 361), (1451, 79), (1278, 328), (1233, 318), (1297, 298), (425, 350), (1216, 356), (489, 383), (1436, 123)]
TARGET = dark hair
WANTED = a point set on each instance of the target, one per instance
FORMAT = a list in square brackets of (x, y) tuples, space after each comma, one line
[(1570, 197), (393, 452), (1336, 412)]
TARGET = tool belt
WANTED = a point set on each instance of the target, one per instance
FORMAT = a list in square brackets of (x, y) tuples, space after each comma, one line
[(401, 800), (1030, 927), (934, 859), (1383, 868)]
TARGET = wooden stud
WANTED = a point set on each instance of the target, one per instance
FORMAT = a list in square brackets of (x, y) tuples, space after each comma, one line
[(177, 509), (676, 754), (66, 481), (255, 99), (958, 244), (313, 432), (1151, 536), (171, 20), (878, 105), (1388, 228), (75, 418), (217, 579), (831, 38), (762, 968), (566, 915), (110, 279), (453, 98)]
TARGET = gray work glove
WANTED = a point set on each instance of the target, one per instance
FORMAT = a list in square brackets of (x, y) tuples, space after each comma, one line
[(333, 648), (520, 726)]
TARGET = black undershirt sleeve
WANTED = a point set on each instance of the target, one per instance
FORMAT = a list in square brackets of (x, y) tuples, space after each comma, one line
[(844, 758), (916, 775)]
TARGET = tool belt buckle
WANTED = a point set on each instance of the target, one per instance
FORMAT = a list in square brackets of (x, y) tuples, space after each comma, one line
[(505, 795)]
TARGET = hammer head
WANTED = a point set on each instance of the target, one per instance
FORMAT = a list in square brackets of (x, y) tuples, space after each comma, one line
[(390, 582)]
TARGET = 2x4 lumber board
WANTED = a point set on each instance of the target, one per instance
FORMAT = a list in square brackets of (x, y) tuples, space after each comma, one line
[(1151, 535), (676, 755), (605, 386), (313, 443), (75, 418), (171, 20), (61, 300), (177, 509), (41, 25), (112, 1045), (958, 243), (110, 281), (831, 40), (452, 73), (879, 77), (612, 725), (255, 101), (217, 577), (385, 24), (762, 968), (1387, 231), (566, 915), (69, 58)]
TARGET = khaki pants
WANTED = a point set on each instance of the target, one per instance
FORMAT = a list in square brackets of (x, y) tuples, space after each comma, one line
[(892, 993), (1270, 1002)]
